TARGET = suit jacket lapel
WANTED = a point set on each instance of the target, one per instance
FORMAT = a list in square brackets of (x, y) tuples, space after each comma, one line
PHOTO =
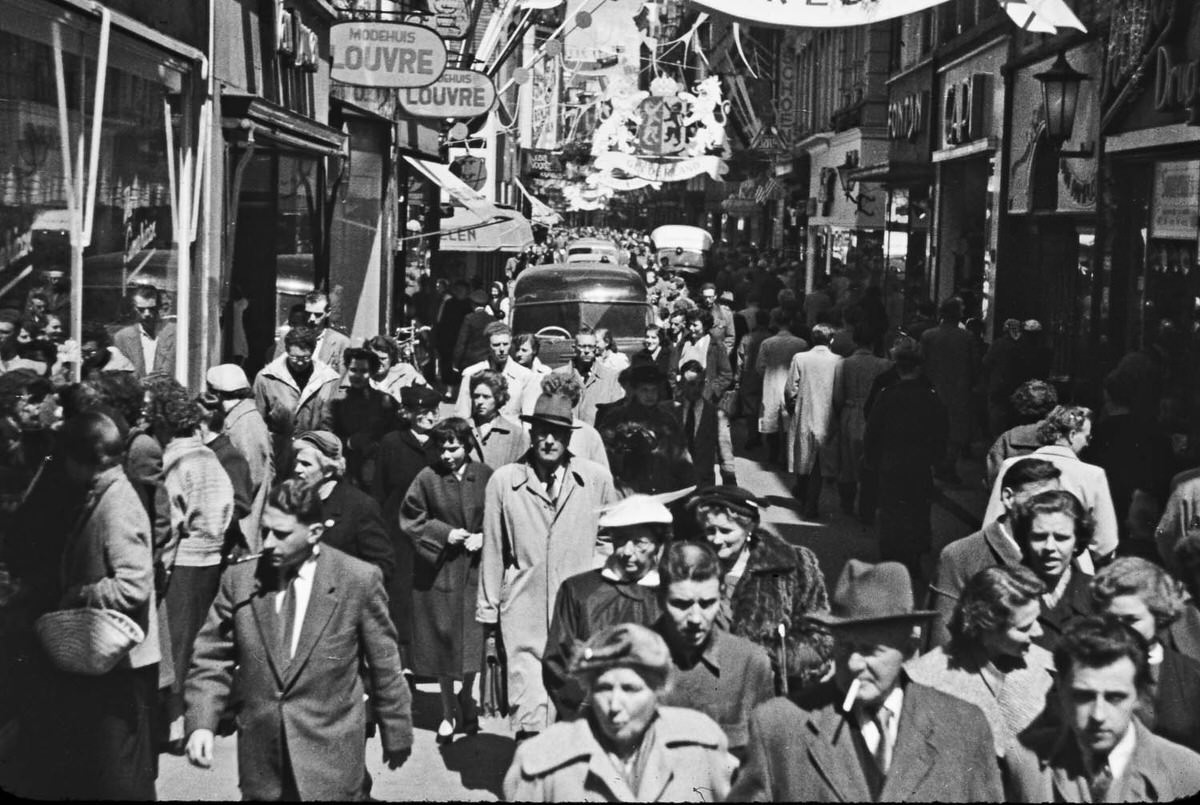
[(834, 755), (321, 602), (263, 606), (915, 750)]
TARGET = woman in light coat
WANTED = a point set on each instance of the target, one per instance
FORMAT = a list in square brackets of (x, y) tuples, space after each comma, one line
[(626, 748)]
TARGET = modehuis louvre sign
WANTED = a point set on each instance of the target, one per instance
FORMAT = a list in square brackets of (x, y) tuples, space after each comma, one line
[(457, 94), (386, 54)]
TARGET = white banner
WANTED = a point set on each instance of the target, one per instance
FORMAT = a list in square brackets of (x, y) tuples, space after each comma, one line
[(675, 171), (845, 13)]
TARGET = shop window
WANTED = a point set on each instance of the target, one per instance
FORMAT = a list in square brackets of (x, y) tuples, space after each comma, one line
[(48, 74)]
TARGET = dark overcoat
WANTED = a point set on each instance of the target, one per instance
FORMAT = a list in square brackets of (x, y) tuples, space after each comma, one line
[(447, 640), (311, 706), (354, 525), (806, 752)]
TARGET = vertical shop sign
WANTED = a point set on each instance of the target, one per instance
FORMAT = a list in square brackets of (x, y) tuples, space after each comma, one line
[(1176, 200), (544, 88)]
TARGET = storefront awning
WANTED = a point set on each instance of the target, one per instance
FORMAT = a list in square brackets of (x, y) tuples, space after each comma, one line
[(270, 123), (894, 173), (477, 225)]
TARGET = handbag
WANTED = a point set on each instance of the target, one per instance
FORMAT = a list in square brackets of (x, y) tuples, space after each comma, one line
[(87, 640), (493, 681)]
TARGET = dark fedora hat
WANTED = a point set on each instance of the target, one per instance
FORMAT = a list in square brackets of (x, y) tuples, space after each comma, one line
[(552, 409), (641, 373), (867, 593)]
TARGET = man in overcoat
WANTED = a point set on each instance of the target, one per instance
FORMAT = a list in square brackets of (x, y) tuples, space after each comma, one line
[(810, 392), (870, 734), (540, 523), (297, 627)]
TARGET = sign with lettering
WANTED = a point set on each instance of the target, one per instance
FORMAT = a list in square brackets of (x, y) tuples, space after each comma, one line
[(816, 13), (1177, 84), (963, 106), (386, 54), (457, 94), (1176, 200), (907, 116), (294, 38), (450, 18)]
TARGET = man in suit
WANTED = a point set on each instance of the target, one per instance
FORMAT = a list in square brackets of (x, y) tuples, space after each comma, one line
[(870, 734), (948, 365), (992, 546), (1101, 752), (331, 344), (700, 427), (472, 344), (297, 627), (150, 343), (352, 519)]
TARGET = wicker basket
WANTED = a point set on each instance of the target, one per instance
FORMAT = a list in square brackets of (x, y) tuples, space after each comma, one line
[(87, 640)]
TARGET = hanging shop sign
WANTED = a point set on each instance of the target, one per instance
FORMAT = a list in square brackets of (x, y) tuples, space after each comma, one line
[(386, 54), (543, 164), (1176, 200), (846, 13), (456, 95), (450, 18), (294, 38)]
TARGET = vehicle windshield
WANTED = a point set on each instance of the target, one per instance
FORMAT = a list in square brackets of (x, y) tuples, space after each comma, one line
[(622, 320)]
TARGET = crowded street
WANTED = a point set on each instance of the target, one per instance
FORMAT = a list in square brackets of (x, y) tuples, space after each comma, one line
[(600, 400)]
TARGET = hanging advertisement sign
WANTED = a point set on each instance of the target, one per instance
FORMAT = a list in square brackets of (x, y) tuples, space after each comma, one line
[(1176, 200), (676, 171), (457, 94), (386, 54), (846, 13), (450, 18)]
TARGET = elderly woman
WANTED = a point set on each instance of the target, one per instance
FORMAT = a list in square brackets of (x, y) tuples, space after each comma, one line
[(623, 591), (770, 586), (992, 660), (1144, 597), (524, 350), (1064, 433), (627, 748), (442, 514), (1052, 530), (498, 439)]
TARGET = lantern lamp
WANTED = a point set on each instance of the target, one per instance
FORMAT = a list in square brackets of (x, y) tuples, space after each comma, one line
[(1060, 99)]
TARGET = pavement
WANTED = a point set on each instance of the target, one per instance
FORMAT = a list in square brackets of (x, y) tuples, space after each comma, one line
[(472, 769)]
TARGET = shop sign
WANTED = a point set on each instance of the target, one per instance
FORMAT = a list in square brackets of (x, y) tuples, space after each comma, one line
[(457, 95), (472, 171), (1176, 84), (294, 38), (543, 164), (450, 18), (906, 116), (1138, 29), (963, 106), (816, 13), (1176, 200), (386, 54)]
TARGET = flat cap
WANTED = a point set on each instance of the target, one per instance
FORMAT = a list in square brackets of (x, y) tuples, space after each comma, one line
[(328, 444), (227, 377), (626, 645)]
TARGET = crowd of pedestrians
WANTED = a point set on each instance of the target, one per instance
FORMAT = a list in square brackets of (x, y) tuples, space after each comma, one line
[(296, 548)]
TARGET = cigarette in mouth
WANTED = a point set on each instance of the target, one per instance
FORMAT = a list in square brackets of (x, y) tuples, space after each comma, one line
[(851, 695), (249, 558)]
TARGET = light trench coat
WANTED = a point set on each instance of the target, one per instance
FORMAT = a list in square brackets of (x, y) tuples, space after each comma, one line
[(774, 361), (531, 545), (810, 384)]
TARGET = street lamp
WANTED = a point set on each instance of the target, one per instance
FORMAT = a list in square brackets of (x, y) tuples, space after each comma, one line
[(1060, 98)]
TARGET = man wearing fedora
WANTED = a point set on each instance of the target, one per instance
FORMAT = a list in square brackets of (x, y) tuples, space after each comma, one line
[(870, 734), (539, 529)]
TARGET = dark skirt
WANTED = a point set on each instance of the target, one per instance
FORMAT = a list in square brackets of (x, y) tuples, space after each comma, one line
[(189, 597), (447, 640)]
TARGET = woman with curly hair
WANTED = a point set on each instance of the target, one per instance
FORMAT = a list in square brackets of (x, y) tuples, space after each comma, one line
[(1064, 433), (1144, 597), (991, 660), (1031, 401), (192, 510), (498, 439), (770, 586)]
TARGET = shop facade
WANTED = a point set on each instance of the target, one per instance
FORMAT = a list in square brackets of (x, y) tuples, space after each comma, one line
[(967, 158)]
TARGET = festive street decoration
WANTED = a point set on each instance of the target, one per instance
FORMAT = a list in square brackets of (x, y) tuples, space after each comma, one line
[(1035, 15)]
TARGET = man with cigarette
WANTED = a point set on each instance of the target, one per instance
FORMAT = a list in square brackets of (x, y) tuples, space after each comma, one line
[(870, 734)]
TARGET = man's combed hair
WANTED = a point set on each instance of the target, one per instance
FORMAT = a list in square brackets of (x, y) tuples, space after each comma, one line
[(296, 498), (563, 384), (687, 561), (1101, 640), (303, 337), (1029, 471)]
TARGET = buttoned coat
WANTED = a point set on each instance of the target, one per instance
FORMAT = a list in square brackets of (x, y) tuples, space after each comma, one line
[(354, 525), (1075, 603), (1086, 481), (524, 387), (447, 640), (686, 762), (128, 340), (773, 363), (805, 752), (958, 562), (289, 410), (1047, 767), (810, 385), (531, 545), (248, 431), (311, 706)]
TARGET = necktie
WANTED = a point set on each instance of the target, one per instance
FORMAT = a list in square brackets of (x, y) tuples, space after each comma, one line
[(551, 488), (883, 752), (690, 425), (1101, 782), (287, 620)]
